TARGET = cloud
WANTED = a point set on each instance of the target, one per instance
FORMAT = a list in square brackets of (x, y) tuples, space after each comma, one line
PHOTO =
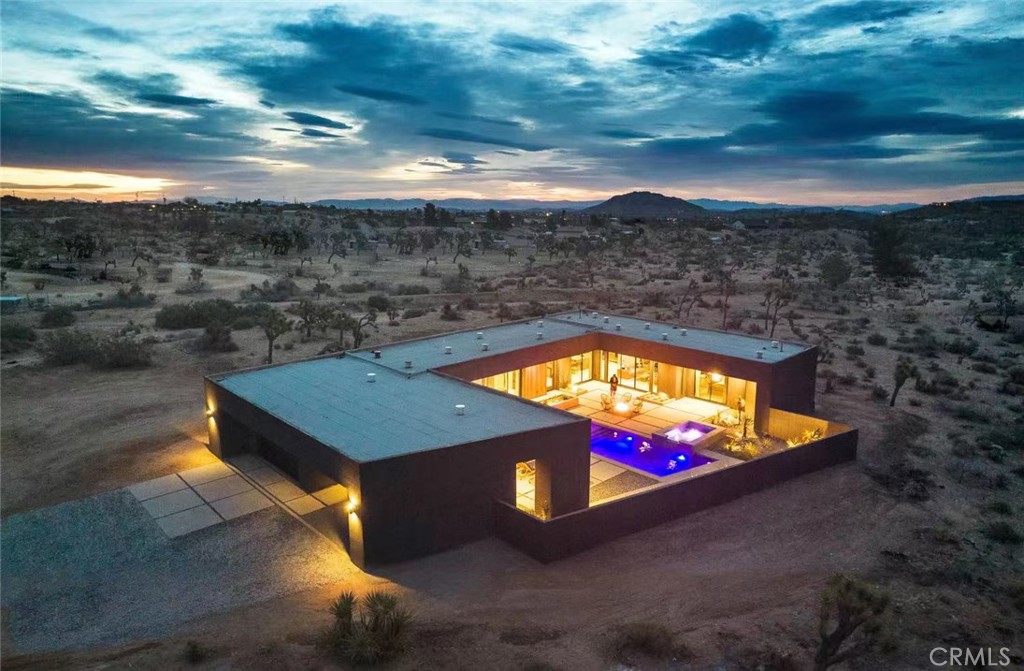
[(175, 100), (534, 45), (382, 95), (65, 187), (108, 34), (462, 158), (267, 104), (865, 11), (465, 136), (736, 37), (306, 119), (481, 118), (625, 134), (312, 132)]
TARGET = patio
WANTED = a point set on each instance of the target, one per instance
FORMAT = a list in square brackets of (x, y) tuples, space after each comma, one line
[(652, 416)]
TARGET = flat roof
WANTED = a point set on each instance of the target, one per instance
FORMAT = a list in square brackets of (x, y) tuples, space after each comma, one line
[(429, 353), (738, 345), (330, 400)]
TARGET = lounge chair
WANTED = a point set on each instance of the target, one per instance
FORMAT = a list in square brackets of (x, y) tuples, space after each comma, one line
[(627, 397), (638, 406), (606, 402)]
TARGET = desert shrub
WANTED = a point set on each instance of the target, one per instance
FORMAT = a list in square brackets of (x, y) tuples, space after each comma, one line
[(217, 338), (879, 393), (352, 288), (15, 337), (1014, 382), (453, 284), (1002, 532), (535, 309), (412, 313), (66, 347), (410, 290), (132, 297), (378, 302), (894, 470), (122, 351), (649, 639), (449, 313), (468, 303), (969, 413), (282, 290), (57, 317), (195, 653), (877, 339), (854, 351), (369, 630), (1000, 507), (962, 347), (200, 314), (163, 275), (984, 367)]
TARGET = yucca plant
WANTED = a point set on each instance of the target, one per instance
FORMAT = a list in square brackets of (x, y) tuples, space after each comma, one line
[(368, 630)]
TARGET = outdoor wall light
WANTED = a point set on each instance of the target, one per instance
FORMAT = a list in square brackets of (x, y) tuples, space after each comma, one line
[(209, 412), (352, 505)]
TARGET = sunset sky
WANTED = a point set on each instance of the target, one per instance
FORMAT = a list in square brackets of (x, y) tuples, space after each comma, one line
[(794, 101)]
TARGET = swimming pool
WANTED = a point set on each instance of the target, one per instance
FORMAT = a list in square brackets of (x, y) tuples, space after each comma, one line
[(639, 452)]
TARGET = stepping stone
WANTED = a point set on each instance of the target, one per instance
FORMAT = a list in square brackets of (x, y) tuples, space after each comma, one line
[(285, 490), (241, 504), (304, 505), (188, 521), (265, 476), (331, 495), (248, 462), (222, 488), (604, 470), (214, 471), (174, 502), (158, 487)]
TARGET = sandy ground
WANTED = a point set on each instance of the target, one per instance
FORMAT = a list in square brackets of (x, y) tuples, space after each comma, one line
[(731, 581)]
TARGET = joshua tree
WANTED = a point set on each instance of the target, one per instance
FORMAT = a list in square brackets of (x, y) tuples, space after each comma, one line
[(511, 253), (274, 325), (835, 271), (905, 369), (776, 297), (309, 314), (851, 621), (690, 297)]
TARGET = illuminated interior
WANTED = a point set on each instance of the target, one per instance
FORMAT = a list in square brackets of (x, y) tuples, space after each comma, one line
[(643, 385)]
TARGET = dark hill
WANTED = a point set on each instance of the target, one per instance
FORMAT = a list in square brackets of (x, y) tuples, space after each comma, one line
[(646, 204)]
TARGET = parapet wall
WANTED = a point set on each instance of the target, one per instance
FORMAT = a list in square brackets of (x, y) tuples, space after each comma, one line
[(560, 537)]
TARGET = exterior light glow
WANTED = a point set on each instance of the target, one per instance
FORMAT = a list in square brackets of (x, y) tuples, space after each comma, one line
[(352, 505), (209, 412), (715, 377), (621, 407)]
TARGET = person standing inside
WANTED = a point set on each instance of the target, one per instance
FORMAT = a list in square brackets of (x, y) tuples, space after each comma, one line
[(614, 382)]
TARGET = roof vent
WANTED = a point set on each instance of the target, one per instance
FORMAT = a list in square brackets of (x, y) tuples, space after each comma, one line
[(759, 354), (664, 336), (376, 354), (618, 327), (408, 364), (460, 409), (484, 346), (540, 323), (682, 332), (605, 320), (647, 326), (540, 335), (371, 377), (479, 335), (594, 315), (447, 349), (775, 344)]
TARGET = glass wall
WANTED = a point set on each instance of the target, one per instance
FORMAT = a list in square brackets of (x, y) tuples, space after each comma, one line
[(506, 382), (710, 386), (581, 368)]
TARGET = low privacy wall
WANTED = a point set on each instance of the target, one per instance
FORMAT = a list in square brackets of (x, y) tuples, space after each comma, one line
[(559, 537)]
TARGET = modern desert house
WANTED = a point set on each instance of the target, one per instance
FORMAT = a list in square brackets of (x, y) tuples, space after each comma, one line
[(515, 430)]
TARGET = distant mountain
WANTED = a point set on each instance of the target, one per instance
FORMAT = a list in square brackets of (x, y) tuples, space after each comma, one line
[(645, 204), (473, 204), (734, 205), (984, 199)]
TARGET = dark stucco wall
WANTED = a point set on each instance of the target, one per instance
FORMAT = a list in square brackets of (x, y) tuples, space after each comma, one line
[(549, 540)]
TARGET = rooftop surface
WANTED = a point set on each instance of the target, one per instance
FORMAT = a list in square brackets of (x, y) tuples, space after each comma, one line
[(331, 401), (737, 345), (429, 353)]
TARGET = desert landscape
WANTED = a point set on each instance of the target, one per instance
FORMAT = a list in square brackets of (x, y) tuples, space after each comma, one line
[(114, 313)]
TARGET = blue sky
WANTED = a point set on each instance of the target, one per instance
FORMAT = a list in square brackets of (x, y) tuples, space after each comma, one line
[(794, 101)]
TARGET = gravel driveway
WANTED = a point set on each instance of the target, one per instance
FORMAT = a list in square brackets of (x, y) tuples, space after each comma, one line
[(100, 571)]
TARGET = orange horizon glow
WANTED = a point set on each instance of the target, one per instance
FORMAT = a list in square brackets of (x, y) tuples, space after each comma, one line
[(46, 183)]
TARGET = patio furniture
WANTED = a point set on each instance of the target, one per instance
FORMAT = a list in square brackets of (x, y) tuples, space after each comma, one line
[(638, 406), (627, 397), (606, 402)]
